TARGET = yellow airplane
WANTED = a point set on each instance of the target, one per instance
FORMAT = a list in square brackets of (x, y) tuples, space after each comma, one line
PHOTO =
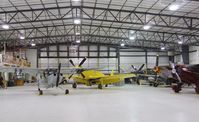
[(92, 77)]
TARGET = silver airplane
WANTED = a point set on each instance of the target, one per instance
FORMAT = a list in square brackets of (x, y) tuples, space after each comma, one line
[(49, 78)]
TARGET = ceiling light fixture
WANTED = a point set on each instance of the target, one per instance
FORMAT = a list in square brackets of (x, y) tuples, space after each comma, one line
[(77, 33), (146, 27), (33, 44), (162, 48), (77, 21), (174, 7), (132, 37), (22, 37), (78, 41), (180, 42), (5, 26), (122, 44), (132, 31)]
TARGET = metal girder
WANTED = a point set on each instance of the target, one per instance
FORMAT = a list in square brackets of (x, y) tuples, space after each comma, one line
[(140, 18), (165, 30)]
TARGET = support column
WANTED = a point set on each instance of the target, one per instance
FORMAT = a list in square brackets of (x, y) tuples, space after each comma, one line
[(118, 59), (185, 54), (146, 59)]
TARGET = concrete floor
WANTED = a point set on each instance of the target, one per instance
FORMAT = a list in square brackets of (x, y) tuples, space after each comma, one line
[(129, 103)]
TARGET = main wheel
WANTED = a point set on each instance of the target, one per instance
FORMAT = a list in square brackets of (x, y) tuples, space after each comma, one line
[(66, 91), (100, 86), (176, 88), (40, 92), (106, 85), (74, 85)]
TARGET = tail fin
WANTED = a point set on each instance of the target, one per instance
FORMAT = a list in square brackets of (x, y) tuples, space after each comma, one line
[(112, 73)]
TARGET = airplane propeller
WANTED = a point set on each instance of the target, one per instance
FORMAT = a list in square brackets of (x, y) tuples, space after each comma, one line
[(156, 66), (174, 71), (72, 62), (77, 70)]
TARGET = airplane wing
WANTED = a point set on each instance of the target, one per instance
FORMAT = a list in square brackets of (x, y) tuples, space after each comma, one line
[(21, 70), (115, 78)]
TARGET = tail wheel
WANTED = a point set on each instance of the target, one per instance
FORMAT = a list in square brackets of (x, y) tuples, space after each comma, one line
[(40, 92), (100, 86), (66, 91), (74, 85), (176, 88)]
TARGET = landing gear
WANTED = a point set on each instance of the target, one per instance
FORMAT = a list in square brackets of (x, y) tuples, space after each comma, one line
[(106, 85), (40, 92), (155, 84), (74, 85), (100, 86), (177, 88), (66, 91)]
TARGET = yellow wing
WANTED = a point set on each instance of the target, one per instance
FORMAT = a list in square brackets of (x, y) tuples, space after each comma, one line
[(114, 78)]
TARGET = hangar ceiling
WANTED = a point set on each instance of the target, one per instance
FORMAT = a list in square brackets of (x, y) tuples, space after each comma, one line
[(149, 24)]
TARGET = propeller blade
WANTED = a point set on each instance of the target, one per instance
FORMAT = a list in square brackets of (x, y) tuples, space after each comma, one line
[(83, 75), (70, 76), (72, 62), (82, 62), (157, 60), (133, 67), (141, 67), (58, 74), (175, 72)]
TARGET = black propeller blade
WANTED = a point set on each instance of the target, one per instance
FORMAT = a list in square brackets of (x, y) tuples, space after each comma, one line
[(58, 74), (70, 76), (133, 67), (72, 62), (82, 62), (141, 67)]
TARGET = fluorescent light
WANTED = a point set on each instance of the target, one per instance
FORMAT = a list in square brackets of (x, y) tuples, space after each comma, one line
[(77, 33), (122, 44), (5, 26), (162, 48), (146, 27), (33, 44), (132, 37), (122, 40), (22, 37), (76, 0), (77, 21), (78, 41), (180, 42), (174, 7)]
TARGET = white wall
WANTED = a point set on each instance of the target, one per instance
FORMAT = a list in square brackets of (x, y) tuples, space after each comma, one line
[(127, 58), (194, 56), (31, 55)]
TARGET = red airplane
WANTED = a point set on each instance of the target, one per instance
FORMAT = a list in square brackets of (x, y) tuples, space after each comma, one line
[(185, 74)]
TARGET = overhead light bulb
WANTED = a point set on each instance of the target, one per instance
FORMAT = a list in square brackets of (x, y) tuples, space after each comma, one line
[(78, 41), (174, 7), (180, 42), (33, 44), (122, 44), (5, 26), (146, 27), (132, 37), (77, 21), (162, 48), (22, 37)]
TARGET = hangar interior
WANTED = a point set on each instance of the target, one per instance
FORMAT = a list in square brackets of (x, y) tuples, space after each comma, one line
[(92, 44)]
